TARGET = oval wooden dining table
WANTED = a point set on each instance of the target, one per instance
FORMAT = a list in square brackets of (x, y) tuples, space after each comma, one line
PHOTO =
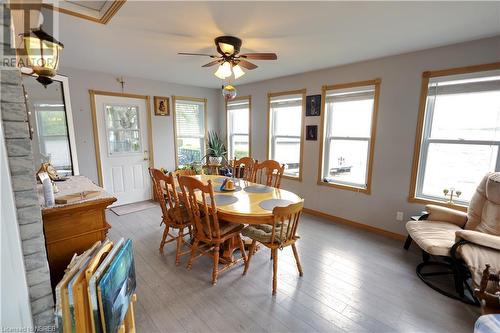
[(247, 208)]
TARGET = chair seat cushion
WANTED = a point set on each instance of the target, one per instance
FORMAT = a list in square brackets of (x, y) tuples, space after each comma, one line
[(476, 257), (434, 237), (263, 233), (224, 228), (179, 215)]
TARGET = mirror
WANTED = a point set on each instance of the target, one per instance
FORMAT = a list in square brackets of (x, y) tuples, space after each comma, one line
[(51, 123)]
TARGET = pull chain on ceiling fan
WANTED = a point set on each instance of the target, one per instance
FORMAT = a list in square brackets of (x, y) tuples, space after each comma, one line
[(229, 60)]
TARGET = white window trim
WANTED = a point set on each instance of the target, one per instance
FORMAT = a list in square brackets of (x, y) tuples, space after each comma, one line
[(203, 138), (326, 141), (271, 142), (231, 134), (427, 140)]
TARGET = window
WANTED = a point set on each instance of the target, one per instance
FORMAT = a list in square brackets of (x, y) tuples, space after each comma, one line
[(348, 128), (458, 138), (190, 130), (286, 112), (238, 127)]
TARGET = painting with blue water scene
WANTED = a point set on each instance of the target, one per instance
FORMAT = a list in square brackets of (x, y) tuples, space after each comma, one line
[(116, 287)]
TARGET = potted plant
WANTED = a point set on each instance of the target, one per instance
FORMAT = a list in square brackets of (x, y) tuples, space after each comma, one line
[(216, 150)]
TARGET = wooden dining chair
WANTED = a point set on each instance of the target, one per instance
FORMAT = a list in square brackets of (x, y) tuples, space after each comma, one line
[(282, 233), (184, 172), (209, 232), (174, 212), (268, 173), (243, 168)]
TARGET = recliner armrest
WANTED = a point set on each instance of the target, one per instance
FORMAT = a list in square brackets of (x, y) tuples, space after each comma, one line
[(479, 238), (444, 214)]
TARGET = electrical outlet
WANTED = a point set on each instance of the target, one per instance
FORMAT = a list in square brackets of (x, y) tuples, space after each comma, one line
[(400, 216)]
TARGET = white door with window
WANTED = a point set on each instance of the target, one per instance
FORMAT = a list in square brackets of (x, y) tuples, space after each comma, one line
[(122, 127)]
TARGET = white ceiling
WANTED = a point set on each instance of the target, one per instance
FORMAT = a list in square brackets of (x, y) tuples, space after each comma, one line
[(143, 39)]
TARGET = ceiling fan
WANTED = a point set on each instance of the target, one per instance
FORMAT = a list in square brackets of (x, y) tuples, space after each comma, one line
[(229, 59)]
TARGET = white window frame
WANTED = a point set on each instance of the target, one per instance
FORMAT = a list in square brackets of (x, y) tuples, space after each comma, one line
[(326, 139), (202, 138), (272, 138), (229, 131), (424, 133)]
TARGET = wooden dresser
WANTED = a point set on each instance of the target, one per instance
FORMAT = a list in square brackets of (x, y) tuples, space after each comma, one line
[(73, 228)]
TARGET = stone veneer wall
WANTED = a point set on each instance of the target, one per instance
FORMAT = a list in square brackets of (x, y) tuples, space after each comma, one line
[(20, 156)]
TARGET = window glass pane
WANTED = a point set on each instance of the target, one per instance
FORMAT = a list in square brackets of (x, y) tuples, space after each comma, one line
[(286, 130), (239, 121), (240, 145), (468, 116), (350, 118), (238, 128), (124, 141), (189, 117), (457, 166), (287, 151), (347, 161), (189, 150), (52, 123), (287, 120), (190, 131)]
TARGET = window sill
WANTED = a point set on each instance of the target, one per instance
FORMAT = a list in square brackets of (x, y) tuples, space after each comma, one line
[(298, 178), (426, 201), (346, 187)]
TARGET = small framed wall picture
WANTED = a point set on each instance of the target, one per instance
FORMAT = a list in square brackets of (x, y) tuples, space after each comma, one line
[(313, 105), (312, 132), (162, 106)]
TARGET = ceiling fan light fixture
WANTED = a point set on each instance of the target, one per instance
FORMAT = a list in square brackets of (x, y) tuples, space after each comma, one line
[(224, 70), (226, 48), (238, 72)]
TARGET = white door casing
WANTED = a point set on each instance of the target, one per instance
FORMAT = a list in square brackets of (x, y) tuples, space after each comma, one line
[(123, 126)]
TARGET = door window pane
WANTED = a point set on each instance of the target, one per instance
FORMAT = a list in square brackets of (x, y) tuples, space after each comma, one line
[(123, 130), (121, 141)]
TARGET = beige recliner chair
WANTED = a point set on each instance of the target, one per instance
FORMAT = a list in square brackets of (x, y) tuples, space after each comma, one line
[(460, 243)]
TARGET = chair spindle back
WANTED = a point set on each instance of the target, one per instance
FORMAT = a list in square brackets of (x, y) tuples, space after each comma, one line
[(268, 173), (206, 223), (287, 218), (166, 193), (243, 168)]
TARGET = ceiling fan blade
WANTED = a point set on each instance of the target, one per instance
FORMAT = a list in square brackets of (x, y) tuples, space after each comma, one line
[(260, 56), (246, 64), (198, 54), (211, 63)]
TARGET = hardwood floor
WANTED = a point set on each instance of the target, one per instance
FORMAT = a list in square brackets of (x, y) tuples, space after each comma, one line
[(353, 281)]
